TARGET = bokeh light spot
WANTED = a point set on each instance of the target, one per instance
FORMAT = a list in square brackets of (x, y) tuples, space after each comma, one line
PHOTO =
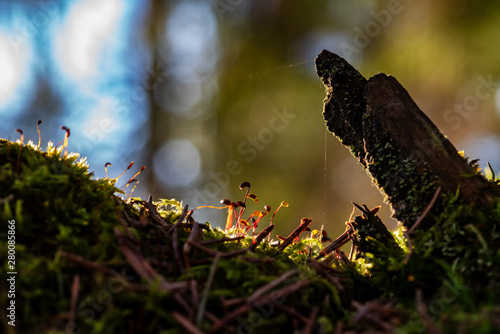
[(15, 70), (177, 163), (89, 28)]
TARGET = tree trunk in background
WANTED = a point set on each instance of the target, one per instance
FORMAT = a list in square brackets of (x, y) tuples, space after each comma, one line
[(154, 30)]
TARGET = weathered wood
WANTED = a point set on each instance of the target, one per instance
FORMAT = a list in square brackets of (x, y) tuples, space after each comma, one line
[(406, 155)]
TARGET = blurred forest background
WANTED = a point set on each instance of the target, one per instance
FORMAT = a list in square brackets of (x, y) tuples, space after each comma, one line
[(207, 94)]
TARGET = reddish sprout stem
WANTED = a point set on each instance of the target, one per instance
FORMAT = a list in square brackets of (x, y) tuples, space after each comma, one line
[(106, 168), (239, 215), (229, 220), (260, 215), (139, 172), (230, 207), (211, 207), (66, 136), (243, 207), (22, 135), (39, 134), (129, 166), (135, 175), (131, 191), (283, 203), (235, 215)]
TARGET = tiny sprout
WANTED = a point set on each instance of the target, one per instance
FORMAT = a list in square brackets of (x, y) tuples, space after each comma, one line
[(68, 130), (257, 214), (65, 144), (253, 197), (65, 140), (283, 203), (225, 201), (129, 166), (210, 206), (245, 185), (131, 191), (139, 172), (133, 179), (106, 168), (242, 207), (230, 208), (39, 135), (22, 135)]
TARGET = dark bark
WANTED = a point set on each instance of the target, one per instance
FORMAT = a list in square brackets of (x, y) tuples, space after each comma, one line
[(406, 155)]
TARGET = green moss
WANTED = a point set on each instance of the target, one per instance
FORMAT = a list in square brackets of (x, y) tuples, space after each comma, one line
[(62, 211)]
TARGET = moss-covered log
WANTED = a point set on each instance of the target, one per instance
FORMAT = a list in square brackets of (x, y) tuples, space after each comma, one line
[(403, 151)]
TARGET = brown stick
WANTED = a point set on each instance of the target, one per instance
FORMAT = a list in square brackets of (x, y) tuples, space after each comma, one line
[(144, 269), (327, 272), (154, 215), (264, 233), (214, 252), (303, 225), (337, 243), (311, 321), (427, 209), (215, 241), (188, 325), (271, 285), (422, 311), (74, 297), (85, 263), (404, 152), (272, 297), (194, 237)]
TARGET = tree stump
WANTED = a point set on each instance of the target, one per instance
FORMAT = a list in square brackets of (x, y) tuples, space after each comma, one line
[(405, 154)]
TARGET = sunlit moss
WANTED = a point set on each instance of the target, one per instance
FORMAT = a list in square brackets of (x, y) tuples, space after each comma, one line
[(61, 209)]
